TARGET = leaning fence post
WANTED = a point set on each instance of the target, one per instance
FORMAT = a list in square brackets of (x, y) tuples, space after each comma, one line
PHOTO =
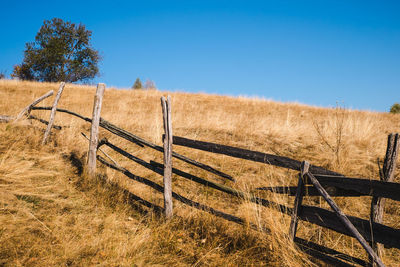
[(53, 113), (387, 175), (166, 108), (298, 200), (94, 132), (28, 108), (344, 220)]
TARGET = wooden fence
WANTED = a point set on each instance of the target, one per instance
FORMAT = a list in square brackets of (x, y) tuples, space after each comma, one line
[(313, 181)]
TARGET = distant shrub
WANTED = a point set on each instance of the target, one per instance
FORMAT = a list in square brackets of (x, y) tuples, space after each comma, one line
[(137, 84), (2, 75), (395, 108)]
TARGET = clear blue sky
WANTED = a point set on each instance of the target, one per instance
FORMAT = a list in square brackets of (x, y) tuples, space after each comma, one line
[(315, 52)]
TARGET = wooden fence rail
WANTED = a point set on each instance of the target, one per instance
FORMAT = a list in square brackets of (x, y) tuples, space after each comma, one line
[(327, 254), (344, 219), (322, 217), (311, 191), (139, 141), (313, 181), (328, 219), (275, 160), (339, 186), (158, 168), (176, 196), (381, 233), (363, 186)]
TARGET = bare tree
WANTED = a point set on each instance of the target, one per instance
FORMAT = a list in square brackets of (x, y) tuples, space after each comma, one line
[(150, 85)]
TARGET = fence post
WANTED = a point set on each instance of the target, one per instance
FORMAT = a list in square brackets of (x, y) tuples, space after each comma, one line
[(387, 175), (298, 200), (53, 113), (166, 108), (94, 132)]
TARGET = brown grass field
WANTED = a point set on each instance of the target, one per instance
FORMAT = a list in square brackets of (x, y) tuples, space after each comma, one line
[(51, 215)]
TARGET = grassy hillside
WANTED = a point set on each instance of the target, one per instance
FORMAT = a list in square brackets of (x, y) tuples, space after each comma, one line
[(52, 214)]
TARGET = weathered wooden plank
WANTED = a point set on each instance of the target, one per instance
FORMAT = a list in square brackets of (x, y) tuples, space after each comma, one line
[(217, 186), (298, 200), (176, 196), (275, 160), (158, 168), (311, 191), (28, 108), (331, 260), (94, 132), (387, 175), (322, 252), (364, 186), (129, 195), (380, 233), (229, 190), (141, 142), (124, 134), (344, 220), (64, 111), (322, 217), (53, 113), (167, 140)]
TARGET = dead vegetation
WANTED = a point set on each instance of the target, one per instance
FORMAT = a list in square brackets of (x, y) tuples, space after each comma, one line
[(51, 214)]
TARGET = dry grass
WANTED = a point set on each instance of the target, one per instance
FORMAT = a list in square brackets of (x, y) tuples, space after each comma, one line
[(52, 215)]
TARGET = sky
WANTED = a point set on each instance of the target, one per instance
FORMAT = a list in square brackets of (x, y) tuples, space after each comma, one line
[(322, 53)]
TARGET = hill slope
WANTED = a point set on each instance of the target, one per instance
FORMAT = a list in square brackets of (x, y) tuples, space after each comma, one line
[(52, 214)]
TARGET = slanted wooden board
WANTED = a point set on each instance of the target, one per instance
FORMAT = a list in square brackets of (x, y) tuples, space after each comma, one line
[(158, 168), (140, 141), (28, 108), (53, 113), (176, 196), (380, 233), (364, 186), (327, 254), (345, 221), (236, 152), (311, 191)]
